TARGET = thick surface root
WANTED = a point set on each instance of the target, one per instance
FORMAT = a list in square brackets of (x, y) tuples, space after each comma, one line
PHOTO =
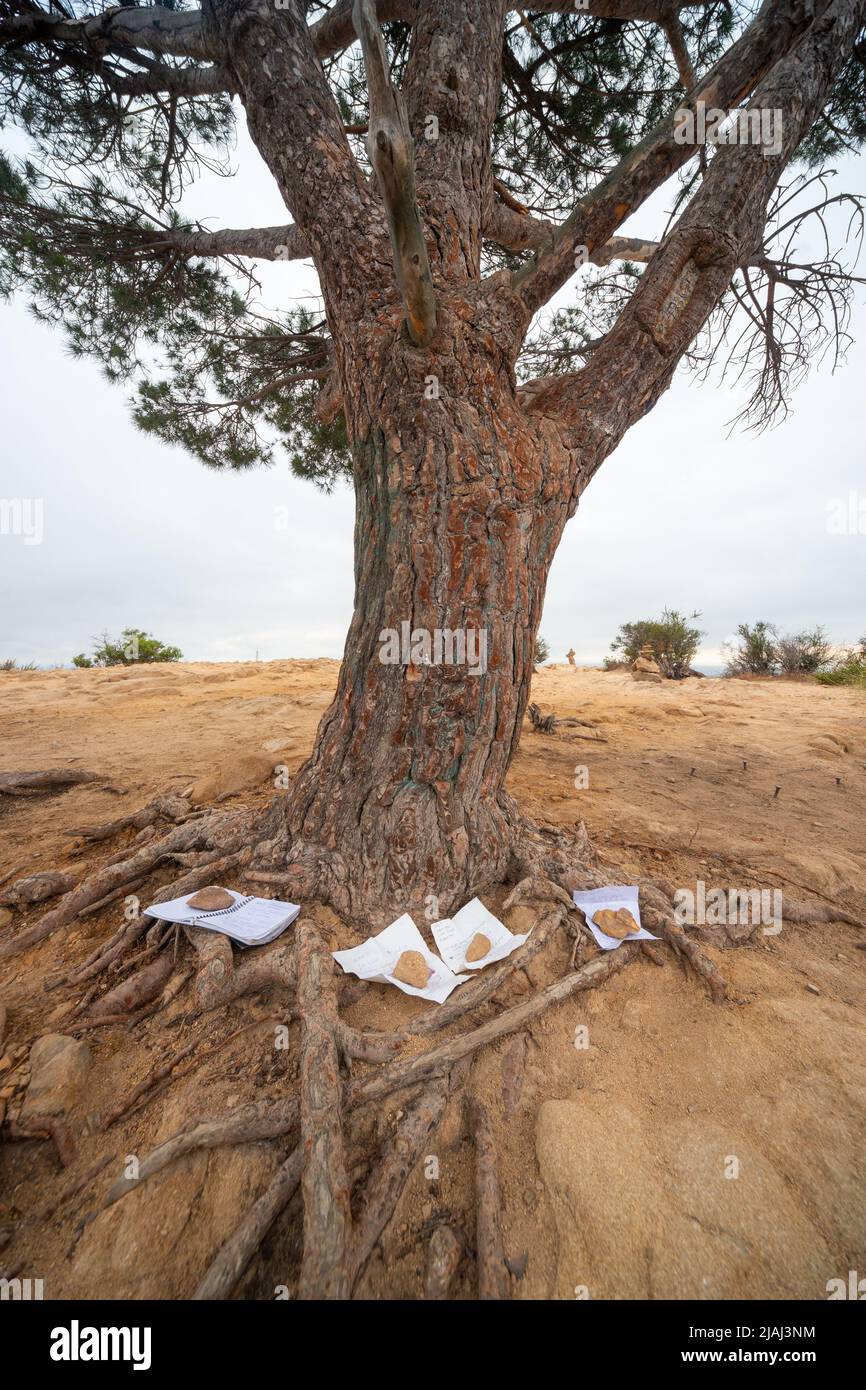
[(341, 1067)]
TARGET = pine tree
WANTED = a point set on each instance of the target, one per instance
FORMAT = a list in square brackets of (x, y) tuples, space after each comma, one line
[(447, 176)]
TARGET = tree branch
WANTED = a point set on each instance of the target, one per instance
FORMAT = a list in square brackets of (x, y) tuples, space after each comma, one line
[(336, 31), (155, 29), (520, 231), (286, 243), (452, 88), (177, 82), (676, 39), (650, 11), (391, 151), (634, 364), (778, 25)]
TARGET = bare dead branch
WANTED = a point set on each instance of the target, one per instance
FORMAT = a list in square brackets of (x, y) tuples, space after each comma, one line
[(391, 150)]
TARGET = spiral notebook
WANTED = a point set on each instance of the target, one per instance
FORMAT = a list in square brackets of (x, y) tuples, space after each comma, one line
[(249, 921)]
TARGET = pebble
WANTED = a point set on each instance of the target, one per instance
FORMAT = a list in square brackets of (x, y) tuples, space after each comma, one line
[(813, 989)]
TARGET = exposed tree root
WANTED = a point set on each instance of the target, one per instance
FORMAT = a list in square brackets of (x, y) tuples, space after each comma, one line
[(246, 1124), (51, 779), (225, 831), (170, 808), (43, 1127), (233, 1258), (271, 1119), (160, 1077), (817, 914), (139, 989), (443, 1259), (36, 889), (324, 1181), (549, 723), (389, 1177), (544, 851), (547, 864), (487, 985), (489, 1251)]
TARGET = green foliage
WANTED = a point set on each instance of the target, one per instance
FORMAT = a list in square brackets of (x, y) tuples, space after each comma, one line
[(847, 669), (86, 220), (542, 651), (804, 653), (134, 647), (756, 653), (209, 374), (673, 639)]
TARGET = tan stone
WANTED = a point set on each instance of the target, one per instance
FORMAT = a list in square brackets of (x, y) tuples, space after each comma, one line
[(210, 899), (615, 922), (478, 947), (412, 969)]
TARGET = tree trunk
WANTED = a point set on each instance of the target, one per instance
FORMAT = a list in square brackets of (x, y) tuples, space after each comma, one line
[(461, 502)]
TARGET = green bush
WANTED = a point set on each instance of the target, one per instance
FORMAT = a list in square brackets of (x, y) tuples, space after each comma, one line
[(847, 669), (757, 653), (134, 647), (673, 639), (542, 651)]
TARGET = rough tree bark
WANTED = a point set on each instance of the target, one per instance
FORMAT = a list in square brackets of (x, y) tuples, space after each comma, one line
[(463, 484)]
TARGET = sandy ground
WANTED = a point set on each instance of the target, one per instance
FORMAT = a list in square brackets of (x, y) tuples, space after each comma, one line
[(652, 1144)]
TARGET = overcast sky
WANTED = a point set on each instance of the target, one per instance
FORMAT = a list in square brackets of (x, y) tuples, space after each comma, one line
[(138, 534)]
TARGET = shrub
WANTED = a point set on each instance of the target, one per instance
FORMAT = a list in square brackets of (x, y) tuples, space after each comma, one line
[(132, 648), (542, 651), (847, 669), (757, 654), (804, 653), (10, 664), (673, 639)]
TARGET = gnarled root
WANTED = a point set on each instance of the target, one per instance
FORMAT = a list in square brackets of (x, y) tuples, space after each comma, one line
[(43, 1127), (233, 1257), (324, 1181), (223, 831), (443, 1260), (490, 1254)]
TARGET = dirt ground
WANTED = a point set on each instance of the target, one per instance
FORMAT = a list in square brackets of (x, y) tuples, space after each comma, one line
[(652, 1144)]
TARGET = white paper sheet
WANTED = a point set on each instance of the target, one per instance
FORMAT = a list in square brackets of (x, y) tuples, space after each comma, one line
[(376, 958), (619, 895), (250, 921), (453, 935)]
